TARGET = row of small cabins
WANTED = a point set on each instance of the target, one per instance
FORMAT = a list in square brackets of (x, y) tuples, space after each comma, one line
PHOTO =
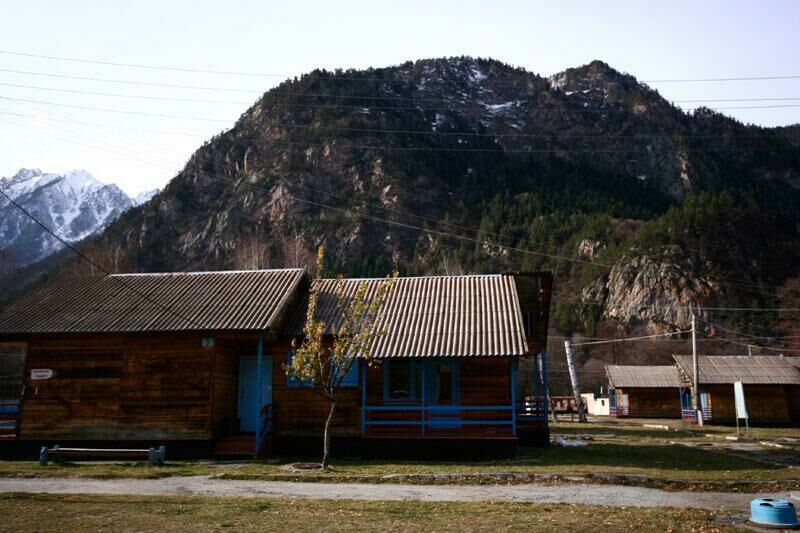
[(198, 360), (771, 386)]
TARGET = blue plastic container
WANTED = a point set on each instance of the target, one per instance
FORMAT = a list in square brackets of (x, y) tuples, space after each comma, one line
[(773, 512)]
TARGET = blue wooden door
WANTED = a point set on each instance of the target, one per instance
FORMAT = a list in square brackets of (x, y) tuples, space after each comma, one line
[(442, 392), (249, 409)]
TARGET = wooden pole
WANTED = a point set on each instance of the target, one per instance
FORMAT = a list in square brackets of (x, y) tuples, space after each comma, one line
[(573, 377)]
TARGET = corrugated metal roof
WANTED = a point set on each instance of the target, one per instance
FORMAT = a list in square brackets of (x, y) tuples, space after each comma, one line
[(622, 376), (749, 369), (236, 300), (435, 315)]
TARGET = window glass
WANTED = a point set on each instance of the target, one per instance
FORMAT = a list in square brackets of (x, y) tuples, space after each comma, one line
[(399, 380), (351, 379), (445, 382)]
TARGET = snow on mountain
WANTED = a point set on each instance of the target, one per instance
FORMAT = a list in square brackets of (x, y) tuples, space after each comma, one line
[(144, 197), (74, 205)]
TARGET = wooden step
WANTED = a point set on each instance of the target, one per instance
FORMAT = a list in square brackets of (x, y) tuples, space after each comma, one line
[(238, 446)]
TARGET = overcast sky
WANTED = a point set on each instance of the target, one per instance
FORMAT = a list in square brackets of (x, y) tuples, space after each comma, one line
[(651, 40)]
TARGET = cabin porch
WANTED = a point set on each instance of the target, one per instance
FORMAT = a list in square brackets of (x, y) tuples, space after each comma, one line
[(453, 398)]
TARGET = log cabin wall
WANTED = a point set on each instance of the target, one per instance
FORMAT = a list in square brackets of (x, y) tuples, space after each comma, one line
[(298, 411), (485, 380), (653, 402), (766, 404), (114, 387), (225, 384)]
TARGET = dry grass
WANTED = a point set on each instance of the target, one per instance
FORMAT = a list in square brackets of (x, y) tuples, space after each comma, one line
[(114, 513), (633, 451)]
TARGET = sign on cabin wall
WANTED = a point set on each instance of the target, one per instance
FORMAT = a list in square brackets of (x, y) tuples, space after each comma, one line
[(207, 342), (41, 373), (741, 408)]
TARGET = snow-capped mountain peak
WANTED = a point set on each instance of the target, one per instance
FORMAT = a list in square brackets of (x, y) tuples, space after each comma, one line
[(73, 204), (144, 197)]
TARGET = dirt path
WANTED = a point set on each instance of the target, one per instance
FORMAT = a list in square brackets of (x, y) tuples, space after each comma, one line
[(614, 495)]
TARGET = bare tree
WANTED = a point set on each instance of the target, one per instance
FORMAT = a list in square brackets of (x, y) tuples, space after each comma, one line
[(251, 254), (322, 364)]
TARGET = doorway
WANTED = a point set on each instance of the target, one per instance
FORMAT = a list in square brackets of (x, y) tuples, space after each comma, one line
[(248, 408)]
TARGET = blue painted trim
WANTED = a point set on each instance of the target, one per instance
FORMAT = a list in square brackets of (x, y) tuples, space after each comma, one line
[(394, 408), (393, 423), (513, 377), (469, 407), (260, 393), (442, 422), (545, 391), (424, 378), (364, 398), (434, 408), (412, 380)]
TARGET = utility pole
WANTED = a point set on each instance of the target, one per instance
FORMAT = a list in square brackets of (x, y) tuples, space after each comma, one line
[(696, 370), (573, 377)]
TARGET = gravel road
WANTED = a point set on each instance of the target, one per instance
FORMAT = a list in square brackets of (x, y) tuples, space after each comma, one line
[(613, 495)]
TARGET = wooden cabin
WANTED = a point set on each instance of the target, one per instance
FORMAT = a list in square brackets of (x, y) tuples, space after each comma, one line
[(644, 391), (461, 358), (771, 385), (146, 358), (197, 360)]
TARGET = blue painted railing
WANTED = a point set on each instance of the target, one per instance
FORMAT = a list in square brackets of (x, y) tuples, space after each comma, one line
[(438, 416), (9, 415)]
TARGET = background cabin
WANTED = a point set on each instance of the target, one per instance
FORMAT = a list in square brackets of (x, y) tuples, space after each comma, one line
[(771, 386), (644, 391)]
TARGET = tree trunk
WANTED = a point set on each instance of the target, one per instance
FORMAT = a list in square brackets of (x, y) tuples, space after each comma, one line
[(326, 446)]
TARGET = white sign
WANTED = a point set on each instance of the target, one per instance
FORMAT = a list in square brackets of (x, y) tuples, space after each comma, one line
[(41, 373), (741, 408)]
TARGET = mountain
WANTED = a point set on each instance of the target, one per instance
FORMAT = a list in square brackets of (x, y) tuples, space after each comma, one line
[(74, 205), (144, 196), (470, 165)]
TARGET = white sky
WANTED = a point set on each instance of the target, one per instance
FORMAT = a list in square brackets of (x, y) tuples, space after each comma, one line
[(651, 40)]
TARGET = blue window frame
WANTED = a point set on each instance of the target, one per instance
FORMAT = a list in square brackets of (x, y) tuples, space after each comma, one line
[(351, 379), (402, 380)]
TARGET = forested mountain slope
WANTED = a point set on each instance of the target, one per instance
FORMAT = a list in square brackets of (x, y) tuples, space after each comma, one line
[(470, 165)]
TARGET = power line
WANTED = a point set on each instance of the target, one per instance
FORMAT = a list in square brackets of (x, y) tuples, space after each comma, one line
[(102, 125), (118, 95), (446, 133), (66, 119), (304, 93), (445, 234), (107, 110), (273, 75), (741, 78), (87, 145), (132, 82), (94, 264), (628, 339), (101, 142)]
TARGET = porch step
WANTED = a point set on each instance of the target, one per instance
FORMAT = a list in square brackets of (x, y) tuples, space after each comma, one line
[(238, 446)]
